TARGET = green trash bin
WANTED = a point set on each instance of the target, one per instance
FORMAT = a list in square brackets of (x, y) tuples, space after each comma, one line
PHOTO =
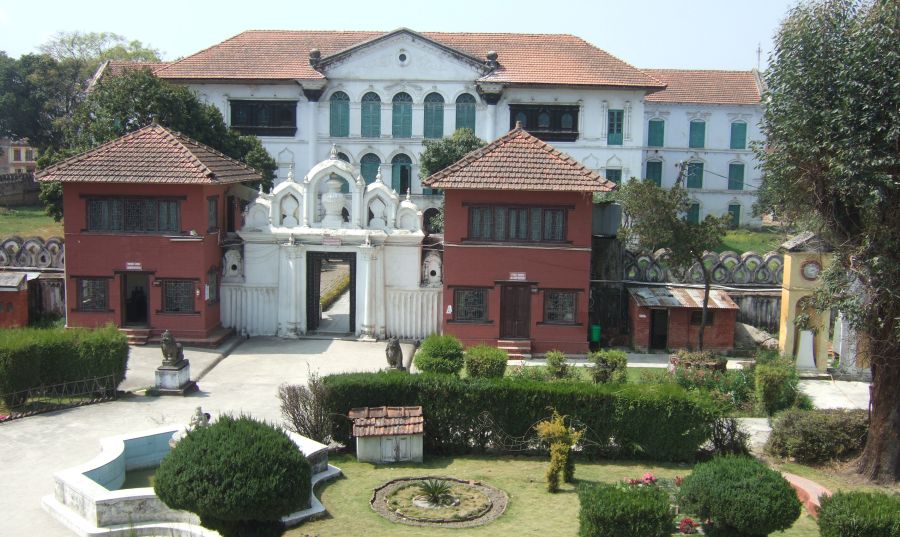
[(595, 333)]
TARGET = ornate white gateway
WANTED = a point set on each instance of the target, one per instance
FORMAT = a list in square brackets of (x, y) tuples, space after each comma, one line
[(270, 283)]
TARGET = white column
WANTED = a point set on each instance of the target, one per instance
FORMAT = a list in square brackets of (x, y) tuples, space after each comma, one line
[(364, 292), (312, 109), (490, 127), (604, 119), (355, 120), (387, 114), (418, 120), (627, 121)]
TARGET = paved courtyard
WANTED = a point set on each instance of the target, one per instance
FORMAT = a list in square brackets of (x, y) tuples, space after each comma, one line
[(247, 381)]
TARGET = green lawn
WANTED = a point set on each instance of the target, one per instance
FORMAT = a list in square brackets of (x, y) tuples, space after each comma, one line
[(531, 512), (747, 240), (28, 222)]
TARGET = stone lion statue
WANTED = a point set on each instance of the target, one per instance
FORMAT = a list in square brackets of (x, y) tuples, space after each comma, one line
[(172, 351), (394, 354)]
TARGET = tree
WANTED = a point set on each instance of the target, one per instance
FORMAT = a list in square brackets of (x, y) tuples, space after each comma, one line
[(439, 154), (239, 475), (125, 103), (654, 219), (832, 125)]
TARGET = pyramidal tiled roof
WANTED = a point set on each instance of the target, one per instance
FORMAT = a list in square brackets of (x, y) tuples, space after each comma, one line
[(705, 86), (151, 155), (556, 59), (519, 161)]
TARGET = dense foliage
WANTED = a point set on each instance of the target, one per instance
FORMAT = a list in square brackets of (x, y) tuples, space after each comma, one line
[(438, 154), (623, 511), (484, 361), (777, 386), (609, 366), (558, 365), (831, 163), (561, 437), (32, 357), (654, 218), (239, 475), (440, 354), (860, 514), (815, 436), (741, 496), (465, 415)]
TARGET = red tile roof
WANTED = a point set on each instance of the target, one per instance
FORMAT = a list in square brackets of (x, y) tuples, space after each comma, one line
[(555, 59), (387, 420), (153, 154), (117, 67), (519, 161), (705, 87)]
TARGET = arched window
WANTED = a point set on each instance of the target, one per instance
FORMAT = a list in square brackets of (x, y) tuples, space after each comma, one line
[(343, 156), (340, 114), (543, 121), (434, 116), (401, 125), (369, 164), (401, 172), (522, 118), (465, 112), (371, 115)]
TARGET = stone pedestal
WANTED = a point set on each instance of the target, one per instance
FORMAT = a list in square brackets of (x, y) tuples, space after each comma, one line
[(174, 379)]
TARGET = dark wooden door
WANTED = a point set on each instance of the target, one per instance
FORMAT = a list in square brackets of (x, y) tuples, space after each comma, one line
[(659, 329), (515, 311)]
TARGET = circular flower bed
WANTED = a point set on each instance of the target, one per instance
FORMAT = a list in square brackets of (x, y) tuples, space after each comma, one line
[(461, 504)]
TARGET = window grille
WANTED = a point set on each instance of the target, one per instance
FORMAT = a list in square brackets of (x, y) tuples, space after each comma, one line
[(559, 307), (93, 294), (178, 296), (470, 304)]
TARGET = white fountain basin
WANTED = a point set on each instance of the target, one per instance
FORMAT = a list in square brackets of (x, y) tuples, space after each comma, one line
[(88, 500)]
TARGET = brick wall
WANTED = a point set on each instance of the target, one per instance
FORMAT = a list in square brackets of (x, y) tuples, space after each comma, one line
[(718, 336), (14, 308)]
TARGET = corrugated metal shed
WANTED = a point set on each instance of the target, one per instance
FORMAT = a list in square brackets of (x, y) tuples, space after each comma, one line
[(387, 421), (680, 297)]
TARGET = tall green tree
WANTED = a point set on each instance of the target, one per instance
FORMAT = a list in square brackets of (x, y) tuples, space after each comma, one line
[(655, 219), (832, 125), (439, 154), (128, 102)]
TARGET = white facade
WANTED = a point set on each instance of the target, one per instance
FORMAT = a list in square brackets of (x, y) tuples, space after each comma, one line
[(265, 288), (716, 155), (429, 69)]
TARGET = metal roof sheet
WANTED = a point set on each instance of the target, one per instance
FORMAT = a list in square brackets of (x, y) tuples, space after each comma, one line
[(680, 297)]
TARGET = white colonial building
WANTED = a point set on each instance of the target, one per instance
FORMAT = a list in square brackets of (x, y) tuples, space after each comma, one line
[(704, 122), (377, 96)]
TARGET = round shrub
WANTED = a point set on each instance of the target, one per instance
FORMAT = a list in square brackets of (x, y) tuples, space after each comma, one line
[(440, 354), (818, 435), (609, 366), (860, 514), (239, 475), (624, 511), (483, 361), (777, 386), (740, 496), (557, 364)]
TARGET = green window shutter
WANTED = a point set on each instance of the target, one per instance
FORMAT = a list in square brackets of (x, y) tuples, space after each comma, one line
[(615, 125), (739, 135), (735, 211), (735, 176), (401, 173), (654, 171), (340, 115), (698, 134), (465, 112), (369, 164), (614, 175), (434, 116), (655, 133), (693, 213), (371, 115), (401, 125), (695, 175)]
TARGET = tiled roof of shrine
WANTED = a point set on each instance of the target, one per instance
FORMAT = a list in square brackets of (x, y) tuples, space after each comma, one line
[(387, 421), (527, 59), (519, 161), (153, 154)]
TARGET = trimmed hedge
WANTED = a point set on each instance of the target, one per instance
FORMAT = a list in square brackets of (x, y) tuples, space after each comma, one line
[(818, 435), (777, 386), (860, 514), (661, 422), (32, 357), (609, 366), (741, 496), (624, 511), (440, 354), (483, 361)]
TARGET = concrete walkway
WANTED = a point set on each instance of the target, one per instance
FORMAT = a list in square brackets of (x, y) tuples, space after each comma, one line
[(247, 380), (337, 318)]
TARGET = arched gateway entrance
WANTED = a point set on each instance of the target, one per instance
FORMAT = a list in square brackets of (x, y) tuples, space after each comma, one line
[(271, 279)]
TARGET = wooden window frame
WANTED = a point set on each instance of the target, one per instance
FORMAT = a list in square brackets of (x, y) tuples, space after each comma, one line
[(370, 116), (165, 282), (213, 281), (465, 110), (484, 291), (123, 218), (692, 143), (743, 137), (401, 128), (79, 292), (339, 115), (689, 175), (651, 141), (212, 214), (574, 297), (433, 124), (656, 180), (733, 180), (500, 227), (554, 132), (615, 123), (257, 124)]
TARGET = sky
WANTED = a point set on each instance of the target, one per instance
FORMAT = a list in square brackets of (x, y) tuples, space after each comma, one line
[(696, 34)]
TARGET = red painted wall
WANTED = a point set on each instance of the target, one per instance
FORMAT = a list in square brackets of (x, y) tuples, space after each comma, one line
[(14, 308), (718, 336), (564, 266), (93, 254)]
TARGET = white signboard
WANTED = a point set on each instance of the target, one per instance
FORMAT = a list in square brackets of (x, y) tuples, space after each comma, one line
[(133, 265)]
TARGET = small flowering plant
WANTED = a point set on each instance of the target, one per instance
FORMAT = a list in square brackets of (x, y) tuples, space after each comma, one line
[(647, 479), (687, 526)]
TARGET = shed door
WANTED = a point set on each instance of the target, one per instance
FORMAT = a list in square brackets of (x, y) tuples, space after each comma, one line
[(515, 311), (395, 448)]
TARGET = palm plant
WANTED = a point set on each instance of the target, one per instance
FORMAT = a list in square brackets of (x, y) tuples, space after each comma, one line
[(435, 490)]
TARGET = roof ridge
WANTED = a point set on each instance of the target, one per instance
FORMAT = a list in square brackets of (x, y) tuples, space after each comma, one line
[(211, 149), (175, 62), (102, 148), (689, 70), (175, 137)]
